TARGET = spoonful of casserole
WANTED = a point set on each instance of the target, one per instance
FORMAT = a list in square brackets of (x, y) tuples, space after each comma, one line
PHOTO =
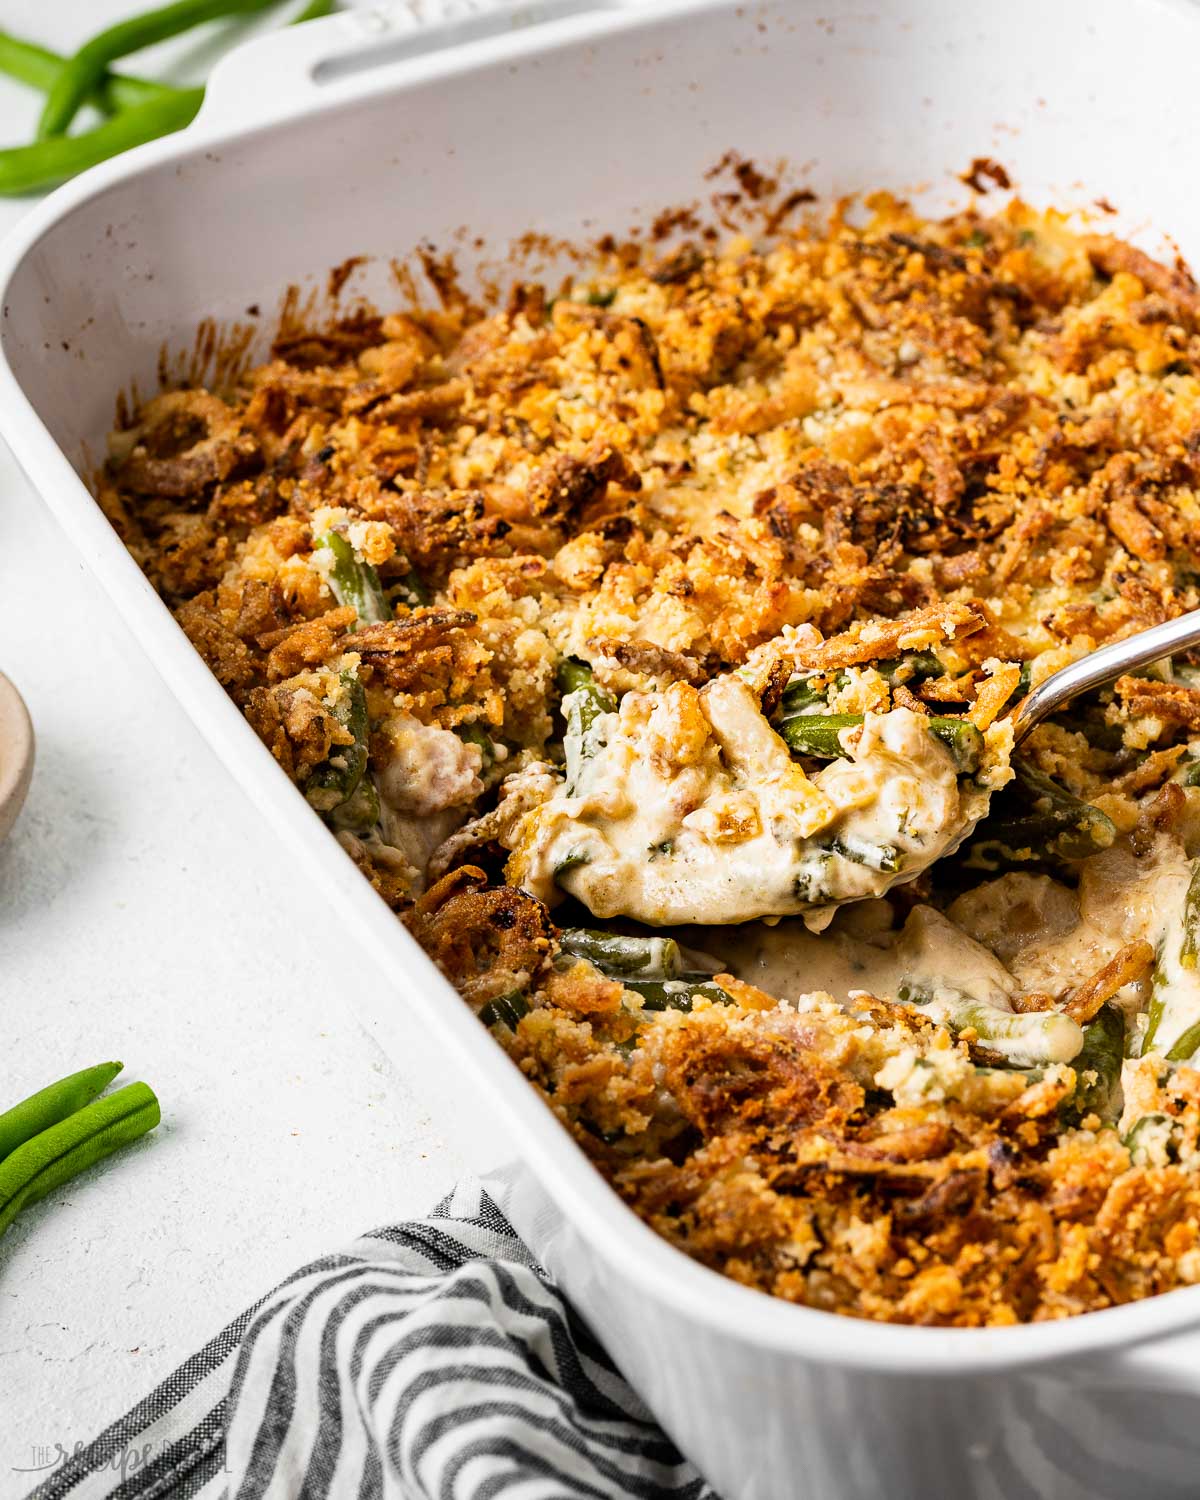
[(713, 805)]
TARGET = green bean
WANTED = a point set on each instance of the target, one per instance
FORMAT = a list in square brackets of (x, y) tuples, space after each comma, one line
[(1134, 1138), (52, 1158), (820, 735), (29, 169), (335, 782), (360, 812), (589, 700), (412, 591), (1185, 1048), (801, 695), (505, 1010), (676, 994), (615, 954), (917, 666), (1103, 1053), (1026, 1037), (572, 860), (52, 1104), (1191, 919), (1157, 1006), (1035, 819), (81, 73), (354, 581), (39, 68), (883, 857), (475, 734)]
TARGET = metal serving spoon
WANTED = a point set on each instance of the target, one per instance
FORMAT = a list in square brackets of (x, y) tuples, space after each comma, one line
[(1104, 665)]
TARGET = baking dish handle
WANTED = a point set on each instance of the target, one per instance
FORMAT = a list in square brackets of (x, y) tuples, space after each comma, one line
[(277, 74)]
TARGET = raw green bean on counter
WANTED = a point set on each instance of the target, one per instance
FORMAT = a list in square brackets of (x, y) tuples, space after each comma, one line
[(52, 1104), (39, 68), (335, 783), (618, 955), (27, 169), (52, 1158), (83, 72), (354, 581), (820, 735)]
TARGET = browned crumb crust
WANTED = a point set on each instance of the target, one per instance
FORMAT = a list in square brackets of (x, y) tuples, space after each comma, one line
[(983, 435)]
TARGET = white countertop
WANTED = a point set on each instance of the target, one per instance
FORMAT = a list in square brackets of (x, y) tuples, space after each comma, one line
[(147, 914)]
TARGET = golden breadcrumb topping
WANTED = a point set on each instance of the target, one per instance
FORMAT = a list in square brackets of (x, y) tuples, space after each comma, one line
[(638, 600)]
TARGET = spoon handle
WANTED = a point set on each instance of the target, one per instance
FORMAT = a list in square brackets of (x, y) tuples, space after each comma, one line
[(1103, 666)]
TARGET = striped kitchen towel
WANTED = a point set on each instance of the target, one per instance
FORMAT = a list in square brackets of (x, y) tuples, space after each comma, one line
[(431, 1359)]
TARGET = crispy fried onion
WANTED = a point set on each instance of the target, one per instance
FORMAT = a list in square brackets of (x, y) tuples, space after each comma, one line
[(487, 942), (878, 639), (185, 441)]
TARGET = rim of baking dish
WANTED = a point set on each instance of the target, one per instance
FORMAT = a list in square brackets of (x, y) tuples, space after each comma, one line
[(612, 1229)]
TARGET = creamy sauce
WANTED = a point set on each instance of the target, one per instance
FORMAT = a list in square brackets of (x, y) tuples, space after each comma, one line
[(930, 963), (691, 809)]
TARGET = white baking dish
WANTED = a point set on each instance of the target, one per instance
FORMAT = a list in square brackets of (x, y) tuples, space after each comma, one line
[(368, 133)]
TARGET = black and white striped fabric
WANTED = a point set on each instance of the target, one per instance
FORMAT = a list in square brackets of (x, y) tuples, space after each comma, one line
[(431, 1359)]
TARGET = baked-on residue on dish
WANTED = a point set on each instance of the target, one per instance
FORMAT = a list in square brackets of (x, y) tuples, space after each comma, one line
[(650, 646)]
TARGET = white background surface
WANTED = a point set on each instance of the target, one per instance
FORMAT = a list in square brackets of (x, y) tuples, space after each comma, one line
[(146, 914)]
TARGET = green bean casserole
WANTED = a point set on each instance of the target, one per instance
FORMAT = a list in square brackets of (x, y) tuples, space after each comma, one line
[(651, 646)]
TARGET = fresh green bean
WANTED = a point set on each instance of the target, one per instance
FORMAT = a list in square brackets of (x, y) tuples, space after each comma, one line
[(820, 735), (335, 783), (1102, 1054), (589, 700), (615, 954), (354, 581), (52, 1104), (676, 994), (505, 1010), (80, 74), (29, 169), (53, 1157), (1036, 820), (39, 68)]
